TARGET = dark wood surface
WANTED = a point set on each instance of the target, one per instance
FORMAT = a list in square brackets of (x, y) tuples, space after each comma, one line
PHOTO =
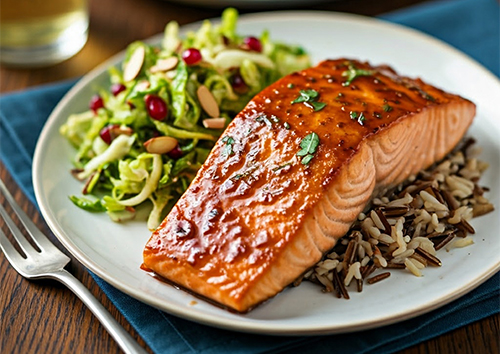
[(45, 317)]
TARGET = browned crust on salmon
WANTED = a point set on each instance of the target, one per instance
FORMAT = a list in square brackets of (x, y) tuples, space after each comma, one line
[(255, 218)]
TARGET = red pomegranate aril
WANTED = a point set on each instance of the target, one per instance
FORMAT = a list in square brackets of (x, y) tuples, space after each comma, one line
[(111, 131), (239, 85), (117, 88), (96, 102), (191, 56), (253, 44), (106, 133), (176, 153), (156, 107)]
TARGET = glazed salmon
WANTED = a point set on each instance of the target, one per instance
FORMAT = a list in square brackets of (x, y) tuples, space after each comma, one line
[(292, 172)]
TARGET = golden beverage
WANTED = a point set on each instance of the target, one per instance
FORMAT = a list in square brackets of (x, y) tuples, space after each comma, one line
[(41, 31)]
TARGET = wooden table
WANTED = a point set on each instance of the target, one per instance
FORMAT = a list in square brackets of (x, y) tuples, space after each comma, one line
[(45, 317)]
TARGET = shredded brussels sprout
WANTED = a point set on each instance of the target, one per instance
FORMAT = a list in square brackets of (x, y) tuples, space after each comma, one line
[(123, 173)]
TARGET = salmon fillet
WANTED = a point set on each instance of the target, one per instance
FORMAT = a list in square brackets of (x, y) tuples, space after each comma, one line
[(292, 172)]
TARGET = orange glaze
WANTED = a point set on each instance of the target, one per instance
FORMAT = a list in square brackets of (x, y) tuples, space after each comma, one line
[(242, 210)]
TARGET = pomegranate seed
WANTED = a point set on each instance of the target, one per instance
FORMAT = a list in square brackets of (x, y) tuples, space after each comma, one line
[(191, 56), (106, 133), (239, 85), (96, 102), (117, 88), (175, 153), (111, 131), (156, 107), (253, 44)]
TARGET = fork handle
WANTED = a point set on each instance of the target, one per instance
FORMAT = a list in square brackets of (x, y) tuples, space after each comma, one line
[(121, 336)]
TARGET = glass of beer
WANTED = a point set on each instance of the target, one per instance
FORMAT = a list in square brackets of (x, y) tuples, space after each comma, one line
[(41, 32)]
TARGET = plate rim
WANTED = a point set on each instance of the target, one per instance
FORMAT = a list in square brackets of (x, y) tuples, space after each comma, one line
[(243, 326)]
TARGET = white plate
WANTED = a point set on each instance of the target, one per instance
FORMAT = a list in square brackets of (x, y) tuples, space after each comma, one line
[(114, 251)]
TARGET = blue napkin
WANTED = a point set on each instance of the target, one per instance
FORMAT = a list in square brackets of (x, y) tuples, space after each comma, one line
[(470, 25)]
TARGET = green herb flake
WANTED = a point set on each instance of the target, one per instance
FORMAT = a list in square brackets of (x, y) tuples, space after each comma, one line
[(286, 125), (428, 97), (306, 159), (360, 117), (246, 174), (263, 119), (228, 147), (308, 145), (306, 96), (290, 86), (353, 73), (282, 166), (387, 108), (318, 106), (310, 99)]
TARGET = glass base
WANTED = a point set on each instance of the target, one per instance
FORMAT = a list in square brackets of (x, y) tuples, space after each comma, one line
[(70, 42)]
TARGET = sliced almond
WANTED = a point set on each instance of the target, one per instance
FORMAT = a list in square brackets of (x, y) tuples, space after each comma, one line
[(208, 102), (160, 145), (119, 130), (214, 123), (171, 74), (134, 65), (142, 85), (163, 65)]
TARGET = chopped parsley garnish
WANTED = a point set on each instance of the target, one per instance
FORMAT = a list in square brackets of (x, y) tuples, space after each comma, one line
[(310, 99), (428, 97), (317, 106), (387, 108), (306, 96), (246, 174), (360, 117), (306, 159), (282, 166), (287, 125), (228, 147), (309, 146), (353, 73), (290, 85), (263, 118)]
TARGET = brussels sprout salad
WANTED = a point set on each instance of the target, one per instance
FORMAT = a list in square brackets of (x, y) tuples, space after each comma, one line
[(143, 139)]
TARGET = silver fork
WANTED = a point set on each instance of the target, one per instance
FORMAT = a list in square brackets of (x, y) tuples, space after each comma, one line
[(49, 263)]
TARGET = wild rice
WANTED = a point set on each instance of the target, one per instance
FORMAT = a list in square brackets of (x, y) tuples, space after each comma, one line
[(378, 278), (405, 228)]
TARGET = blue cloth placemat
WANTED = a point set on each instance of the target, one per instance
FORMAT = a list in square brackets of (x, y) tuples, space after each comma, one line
[(470, 25)]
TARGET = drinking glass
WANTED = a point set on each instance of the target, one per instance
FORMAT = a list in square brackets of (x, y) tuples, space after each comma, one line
[(41, 32)]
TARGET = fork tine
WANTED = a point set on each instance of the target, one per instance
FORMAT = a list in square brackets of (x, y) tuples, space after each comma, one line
[(16, 233), (12, 255), (36, 235)]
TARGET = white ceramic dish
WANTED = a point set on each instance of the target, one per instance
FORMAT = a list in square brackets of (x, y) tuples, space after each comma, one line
[(114, 251)]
